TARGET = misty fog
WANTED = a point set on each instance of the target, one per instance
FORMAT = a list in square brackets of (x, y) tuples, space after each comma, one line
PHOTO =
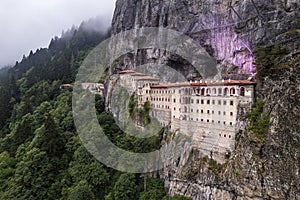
[(30, 24)]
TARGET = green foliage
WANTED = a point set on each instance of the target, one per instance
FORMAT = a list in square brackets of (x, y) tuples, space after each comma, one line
[(267, 59), (103, 77), (82, 191), (215, 166), (33, 174), (176, 197), (154, 190), (6, 169), (147, 107), (132, 106), (41, 155), (125, 188), (259, 120)]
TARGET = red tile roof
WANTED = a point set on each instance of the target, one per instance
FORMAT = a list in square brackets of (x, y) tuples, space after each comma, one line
[(169, 85), (198, 83), (66, 85), (147, 78), (128, 71)]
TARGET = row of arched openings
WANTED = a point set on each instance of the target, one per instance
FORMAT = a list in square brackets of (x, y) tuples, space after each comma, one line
[(220, 91)]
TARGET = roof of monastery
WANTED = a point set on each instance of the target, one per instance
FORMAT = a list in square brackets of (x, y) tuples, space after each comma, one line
[(128, 71), (205, 83), (147, 78), (185, 84)]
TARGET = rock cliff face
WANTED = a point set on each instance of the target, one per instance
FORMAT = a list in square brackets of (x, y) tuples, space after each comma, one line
[(229, 30), (260, 167)]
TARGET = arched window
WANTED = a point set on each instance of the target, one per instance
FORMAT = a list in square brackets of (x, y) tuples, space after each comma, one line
[(232, 91), (202, 91), (225, 91), (208, 91), (214, 91), (220, 91), (242, 91), (186, 91)]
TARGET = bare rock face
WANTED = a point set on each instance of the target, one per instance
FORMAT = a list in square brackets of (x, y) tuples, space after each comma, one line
[(230, 31)]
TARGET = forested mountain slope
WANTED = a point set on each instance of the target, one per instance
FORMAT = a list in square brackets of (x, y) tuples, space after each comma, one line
[(41, 155)]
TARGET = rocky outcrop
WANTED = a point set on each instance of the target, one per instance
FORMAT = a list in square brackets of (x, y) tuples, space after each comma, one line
[(265, 168), (258, 168), (229, 30)]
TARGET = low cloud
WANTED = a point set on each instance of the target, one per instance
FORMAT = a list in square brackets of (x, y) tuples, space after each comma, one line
[(30, 24)]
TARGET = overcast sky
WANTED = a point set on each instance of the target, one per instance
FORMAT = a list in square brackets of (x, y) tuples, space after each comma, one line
[(30, 24)]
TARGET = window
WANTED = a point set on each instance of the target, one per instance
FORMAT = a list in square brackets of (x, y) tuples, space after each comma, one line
[(231, 113), (220, 91), (225, 135), (214, 91), (229, 136), (224, 103), (213, 112), (231, 103), (197, 101), (174, 108), (219, 112), (230, 123), (197, 119), (207, 111), (219, 122), (174, 100), (213, 121), (197, 110), (224, 113), (201, 111), (219, 102), (192, 101), (191, 119), (225, 91), (202, 91), (185, 109), (201, 120), (208, 92), (202, 101), (224, 122), (208, 102), (207, 120), (242, 91), (192, 110), (213, 102), (232, 91)]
